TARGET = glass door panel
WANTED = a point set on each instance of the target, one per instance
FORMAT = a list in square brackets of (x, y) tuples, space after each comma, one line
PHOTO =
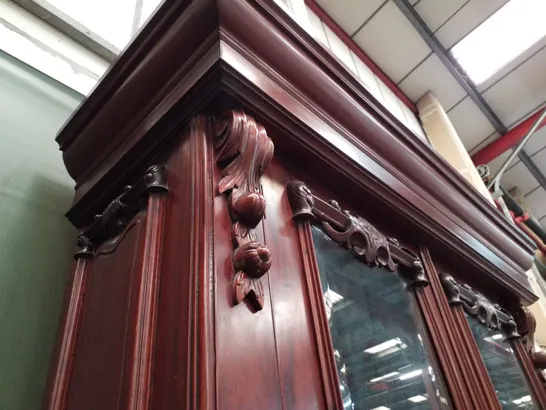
[(380, 355)]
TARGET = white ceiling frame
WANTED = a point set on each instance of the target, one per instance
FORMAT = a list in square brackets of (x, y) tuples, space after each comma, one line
[(70, 27), (36, 43)]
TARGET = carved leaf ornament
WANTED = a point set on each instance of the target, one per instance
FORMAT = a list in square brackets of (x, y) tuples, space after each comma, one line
[(243, 153)]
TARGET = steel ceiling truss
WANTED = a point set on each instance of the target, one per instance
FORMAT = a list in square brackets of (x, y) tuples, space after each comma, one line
[(464, 81)]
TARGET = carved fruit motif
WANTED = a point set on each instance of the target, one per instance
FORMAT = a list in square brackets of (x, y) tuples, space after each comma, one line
[(244, 152)]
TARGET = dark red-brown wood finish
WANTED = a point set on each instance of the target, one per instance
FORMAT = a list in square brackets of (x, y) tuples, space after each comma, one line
[(532, 362), (110, 322), (208, 296), (438, 317), (245, 151), (185, 360), (61, 371), (252, 51), (330, 379)]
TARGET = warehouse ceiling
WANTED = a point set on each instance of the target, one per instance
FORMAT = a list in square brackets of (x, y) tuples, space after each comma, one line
[(389, 33)]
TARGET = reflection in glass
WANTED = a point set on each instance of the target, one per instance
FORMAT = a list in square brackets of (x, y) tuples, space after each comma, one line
[(503, 367), (380, 357)]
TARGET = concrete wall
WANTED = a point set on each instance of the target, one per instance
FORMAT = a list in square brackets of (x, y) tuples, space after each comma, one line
[(35, 238)]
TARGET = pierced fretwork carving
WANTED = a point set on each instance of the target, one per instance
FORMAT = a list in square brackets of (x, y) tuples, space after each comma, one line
[(244, 152), (478, 306), (355, 233), (121, 210)]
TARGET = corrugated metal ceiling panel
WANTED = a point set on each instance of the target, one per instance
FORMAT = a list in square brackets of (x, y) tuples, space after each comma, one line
[(433, 76), (350, 15), (435, 12), (520, 176), (520, 92), (535, 202), (539, 158), (497, 162), (470, 123), (512, 65), (491, 138), (536, 142), (466, 19), (398, 49)]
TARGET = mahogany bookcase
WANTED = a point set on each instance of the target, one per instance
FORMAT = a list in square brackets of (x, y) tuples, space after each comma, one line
[(256, 231)]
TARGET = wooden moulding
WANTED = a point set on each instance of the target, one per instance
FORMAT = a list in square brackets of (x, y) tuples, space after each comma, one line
[(513, 323), (531, 361), (121, 210), (148, 193), (185, 356), (360, 238), (251, 52), (476, 305), (439, 322), (330, 378), (56, 397), (355, 233), (465, 300)]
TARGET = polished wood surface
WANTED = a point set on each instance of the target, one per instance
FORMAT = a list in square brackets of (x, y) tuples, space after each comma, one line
[(204, 293), (534, 378), (100, 356), (61, 372), (185, 360), (144, 322), (338, 127), (438, 317)]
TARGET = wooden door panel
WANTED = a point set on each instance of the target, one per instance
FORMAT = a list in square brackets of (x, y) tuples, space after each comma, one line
[(98, 366), (299, 372)]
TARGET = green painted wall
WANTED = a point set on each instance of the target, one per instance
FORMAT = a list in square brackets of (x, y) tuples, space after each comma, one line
[(35, 238)]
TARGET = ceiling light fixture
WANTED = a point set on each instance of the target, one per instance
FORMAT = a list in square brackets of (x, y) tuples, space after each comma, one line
[(502, 37), (332, 296), (524, 399), (412, 374), (384, 346), (387, 376), (417, 399)]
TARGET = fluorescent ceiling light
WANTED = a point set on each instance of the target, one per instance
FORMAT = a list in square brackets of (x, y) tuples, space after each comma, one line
[(381, 408), (332, 296), (384, 346), (524, 399), (412, 374), (502, 37), (417, 399), (387, 376), (497, 336)]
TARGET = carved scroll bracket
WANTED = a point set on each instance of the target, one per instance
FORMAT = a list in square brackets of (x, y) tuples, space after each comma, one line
[(478, 306), (355, 233), (121, 210), (244, 152), (526, 324)]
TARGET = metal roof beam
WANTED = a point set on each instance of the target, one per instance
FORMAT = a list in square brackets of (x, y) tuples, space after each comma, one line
[(451, 64), (457, 71)]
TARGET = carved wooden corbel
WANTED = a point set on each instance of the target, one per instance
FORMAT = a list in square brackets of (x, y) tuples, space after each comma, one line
[(451, 289), (478, 306), (355, 233), (526, 324), (84, 247), (244, 152), (121, 210)]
